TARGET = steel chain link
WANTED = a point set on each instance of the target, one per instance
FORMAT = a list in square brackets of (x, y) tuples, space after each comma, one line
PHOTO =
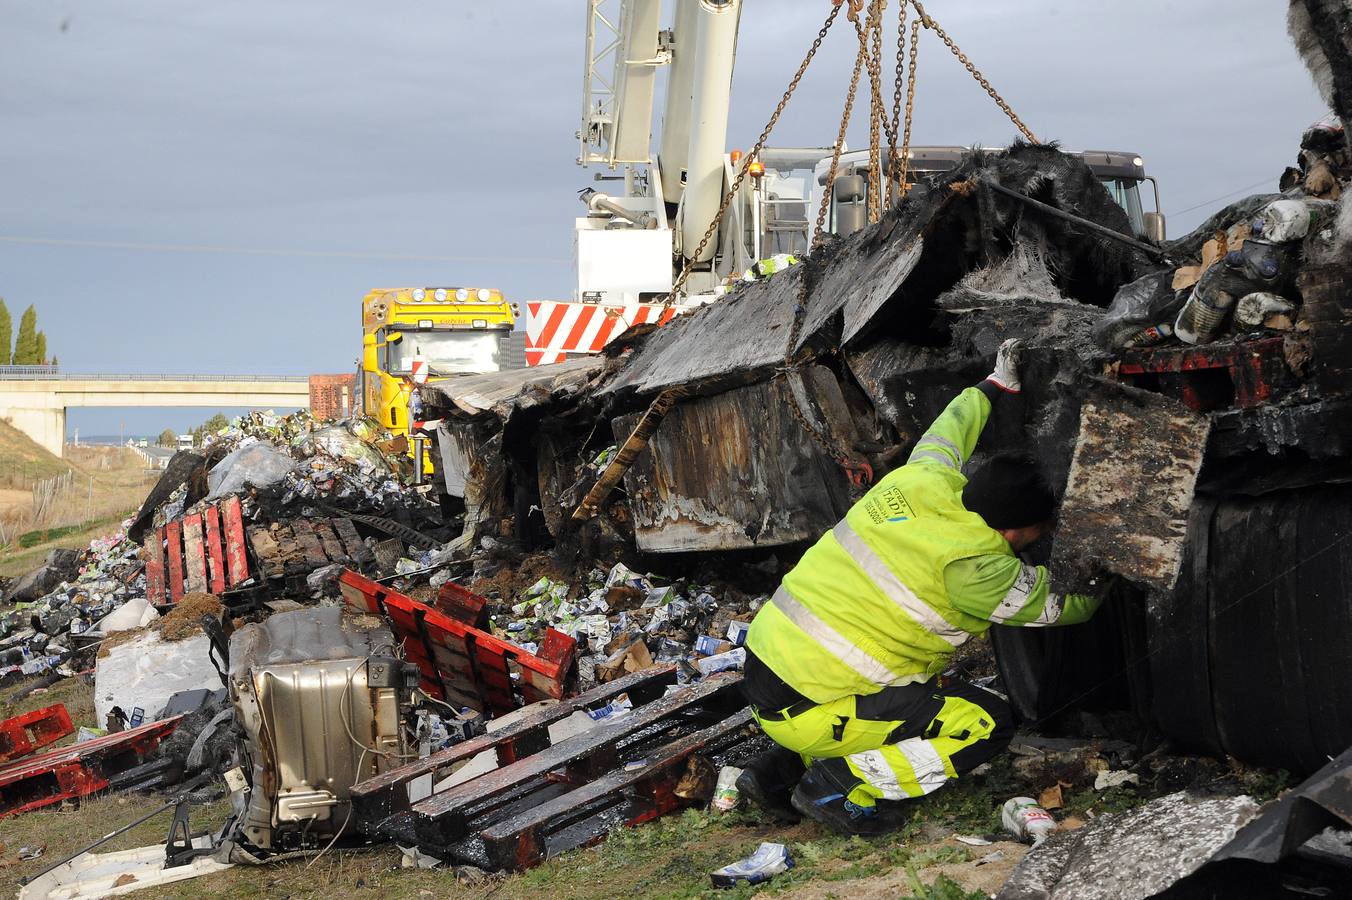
[(973, 71), (910, 108), (840, 143), (893, 164)]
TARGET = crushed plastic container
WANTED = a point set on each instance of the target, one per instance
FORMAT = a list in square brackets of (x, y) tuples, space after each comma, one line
[(767, 862), (733, 659), (1027, 821), (726, 795)]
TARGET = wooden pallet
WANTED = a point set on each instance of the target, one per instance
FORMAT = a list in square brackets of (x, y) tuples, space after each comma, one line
[(196, 554), (546, 798), (1214, 376), (209, 551), (24, 733), (461, 663), (78, 770)]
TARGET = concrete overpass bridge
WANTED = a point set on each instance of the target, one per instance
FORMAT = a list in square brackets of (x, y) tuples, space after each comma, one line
[(35, 398)]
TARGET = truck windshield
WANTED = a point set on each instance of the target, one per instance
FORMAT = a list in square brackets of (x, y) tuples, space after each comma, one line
[(446, 352), (1127, 194)]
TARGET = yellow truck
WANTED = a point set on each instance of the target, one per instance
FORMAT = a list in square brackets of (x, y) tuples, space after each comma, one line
[(449, 331)]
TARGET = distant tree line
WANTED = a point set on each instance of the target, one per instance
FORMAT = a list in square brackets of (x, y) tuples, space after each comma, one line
[(169, 438), (29, 348)]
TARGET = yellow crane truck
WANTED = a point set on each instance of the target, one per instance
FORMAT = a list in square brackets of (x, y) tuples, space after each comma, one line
[(447, 331)]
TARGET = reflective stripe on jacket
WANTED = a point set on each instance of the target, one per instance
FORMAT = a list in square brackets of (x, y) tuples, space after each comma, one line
[(867, 606)]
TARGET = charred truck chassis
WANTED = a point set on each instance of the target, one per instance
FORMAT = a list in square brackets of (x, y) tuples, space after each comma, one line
[(1242, 656)]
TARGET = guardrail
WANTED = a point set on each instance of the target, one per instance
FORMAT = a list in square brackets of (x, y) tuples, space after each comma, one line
[(49, 373)]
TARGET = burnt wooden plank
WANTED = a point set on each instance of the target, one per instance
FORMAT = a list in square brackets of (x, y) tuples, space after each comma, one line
[(194, 555), (266, 551), (292, 556), (173, 538), (518, 842), (215, 550), (153, 552), (441, 818), (330, 542), (352, 542), (377, 798), (236, 556), (309, 544)]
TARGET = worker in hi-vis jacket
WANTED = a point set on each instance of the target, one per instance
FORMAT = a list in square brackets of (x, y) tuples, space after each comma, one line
[(843, 664)]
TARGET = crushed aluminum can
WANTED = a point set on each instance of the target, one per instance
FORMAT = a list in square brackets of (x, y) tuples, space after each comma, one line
[(767, 862), (708, 645), (726, 795), (733, 659), (737, 632)]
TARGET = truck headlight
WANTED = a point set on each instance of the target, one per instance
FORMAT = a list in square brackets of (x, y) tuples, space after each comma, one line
[(462, 295), (440, 295), (485, 295), (418, 295), (480, 323)]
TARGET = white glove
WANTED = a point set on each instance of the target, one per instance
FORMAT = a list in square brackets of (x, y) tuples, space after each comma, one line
[(1006, 374)]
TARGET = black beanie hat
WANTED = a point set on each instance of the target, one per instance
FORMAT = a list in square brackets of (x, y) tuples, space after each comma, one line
[(1010, 491)]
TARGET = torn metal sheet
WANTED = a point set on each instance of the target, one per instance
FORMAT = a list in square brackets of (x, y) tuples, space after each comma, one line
[(502, 392), (1131, 485), (1130, 855), (735, 470)]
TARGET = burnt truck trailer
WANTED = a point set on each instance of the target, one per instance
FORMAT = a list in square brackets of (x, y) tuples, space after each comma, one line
[(783, 400)]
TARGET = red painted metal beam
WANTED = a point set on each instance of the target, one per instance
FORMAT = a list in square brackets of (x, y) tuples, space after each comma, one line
[(154, 557), (236, 556), (173, 534)]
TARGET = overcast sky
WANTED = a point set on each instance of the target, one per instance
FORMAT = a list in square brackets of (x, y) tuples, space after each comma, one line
[(206, 187)]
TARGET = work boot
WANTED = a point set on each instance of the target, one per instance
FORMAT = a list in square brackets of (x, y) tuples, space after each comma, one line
[(824, 798), (769, 780)]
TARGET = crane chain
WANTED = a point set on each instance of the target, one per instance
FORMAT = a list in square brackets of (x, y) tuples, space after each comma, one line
[(910, 107), (893, 164), (840, 143), (973, 71), (752, 156), (870, 40)]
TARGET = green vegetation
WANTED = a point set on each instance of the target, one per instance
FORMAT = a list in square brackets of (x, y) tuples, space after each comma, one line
[(29, 350), (6, 334), (167, 438)]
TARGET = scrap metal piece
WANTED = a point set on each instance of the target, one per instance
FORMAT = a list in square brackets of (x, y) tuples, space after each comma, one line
[(1131, 483), (308, 690)]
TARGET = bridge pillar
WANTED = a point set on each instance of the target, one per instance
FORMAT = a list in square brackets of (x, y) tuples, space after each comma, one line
[(45, 424)]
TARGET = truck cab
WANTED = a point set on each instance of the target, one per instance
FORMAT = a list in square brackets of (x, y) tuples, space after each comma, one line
[(450, 331)]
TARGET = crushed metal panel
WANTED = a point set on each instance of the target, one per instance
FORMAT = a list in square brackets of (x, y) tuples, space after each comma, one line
[(455, 443), (1131, 485), (731, 471), (861, 278), (501, 392), (743, 334)]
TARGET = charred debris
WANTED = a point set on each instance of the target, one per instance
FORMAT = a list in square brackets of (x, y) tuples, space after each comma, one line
[(478, 671)]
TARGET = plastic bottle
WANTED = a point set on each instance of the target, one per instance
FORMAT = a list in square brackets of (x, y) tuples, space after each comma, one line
[(1027, 821), (1285, 220), (1150, 336)]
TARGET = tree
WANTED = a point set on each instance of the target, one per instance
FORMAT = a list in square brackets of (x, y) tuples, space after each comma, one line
[(6, 334), (26, 344), (215, 424), (167, 438), (42, 348)]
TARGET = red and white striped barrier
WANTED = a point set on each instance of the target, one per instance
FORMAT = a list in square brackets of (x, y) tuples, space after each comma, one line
[(556, 328)]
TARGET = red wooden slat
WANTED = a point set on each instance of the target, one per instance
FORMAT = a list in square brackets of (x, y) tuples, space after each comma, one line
[(154, 557), (439, 645), (236, 557), (173, 534), (215, 550), (194, 555)]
